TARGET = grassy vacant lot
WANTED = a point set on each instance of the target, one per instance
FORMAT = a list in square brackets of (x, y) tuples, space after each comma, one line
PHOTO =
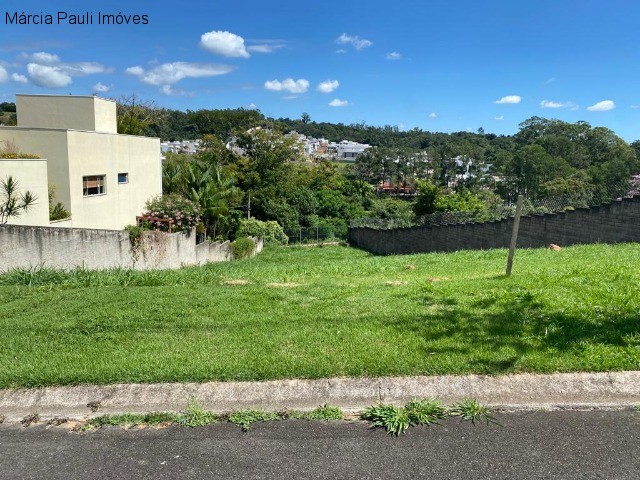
[(320, 312)]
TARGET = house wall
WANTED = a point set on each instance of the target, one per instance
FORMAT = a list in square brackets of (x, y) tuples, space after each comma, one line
[(49, 144), (72, 154), (67, 248), (66, 112), (31, 175), (614, 223), (105, 154)]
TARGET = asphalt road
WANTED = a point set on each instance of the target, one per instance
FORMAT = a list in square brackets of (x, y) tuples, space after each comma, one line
[(534, 445)]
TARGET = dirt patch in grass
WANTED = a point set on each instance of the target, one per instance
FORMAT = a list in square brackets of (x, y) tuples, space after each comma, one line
[(236, 282), (284, 285), (437, 279), (395, 283)]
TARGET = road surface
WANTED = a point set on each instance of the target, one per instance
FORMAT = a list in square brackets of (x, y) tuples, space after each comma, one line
[(534, 445)]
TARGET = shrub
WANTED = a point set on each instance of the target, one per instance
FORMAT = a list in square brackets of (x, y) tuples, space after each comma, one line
[(185, 213), (57, 211), (243, 247), (270, 232)]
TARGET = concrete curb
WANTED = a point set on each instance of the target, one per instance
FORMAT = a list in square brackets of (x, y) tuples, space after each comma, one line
[(510, 392)]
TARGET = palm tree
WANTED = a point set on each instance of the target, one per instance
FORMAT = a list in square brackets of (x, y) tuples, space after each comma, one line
[(216, 193), (12, 203)]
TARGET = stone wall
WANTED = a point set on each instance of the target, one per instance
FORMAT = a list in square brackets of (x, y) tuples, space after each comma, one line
[(26, 246), (613, 223)]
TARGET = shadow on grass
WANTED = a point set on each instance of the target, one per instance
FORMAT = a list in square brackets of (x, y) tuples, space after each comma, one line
[(496, 334)]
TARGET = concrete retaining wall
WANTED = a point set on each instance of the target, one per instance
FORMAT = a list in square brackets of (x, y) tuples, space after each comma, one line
[(614, 223), (26, 246)]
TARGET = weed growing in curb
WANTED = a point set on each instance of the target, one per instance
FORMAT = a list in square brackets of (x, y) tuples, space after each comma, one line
[(244, 418), (133, 419), (393, 419), (396, 420), (471, 410), (325, 412), (425, 412), (29, 419), (635, 407), (196, 415), (57, 421)]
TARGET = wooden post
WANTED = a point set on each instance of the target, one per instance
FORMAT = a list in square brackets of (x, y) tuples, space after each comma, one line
[(514, 234)]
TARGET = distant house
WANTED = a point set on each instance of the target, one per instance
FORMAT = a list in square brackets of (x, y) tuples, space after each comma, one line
[(347, 150), (104, 179)]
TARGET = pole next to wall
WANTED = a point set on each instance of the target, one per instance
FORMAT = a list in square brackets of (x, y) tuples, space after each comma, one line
[(514, 234)]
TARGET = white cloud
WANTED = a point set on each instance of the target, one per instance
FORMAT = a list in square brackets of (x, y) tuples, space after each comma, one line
[(336, 102), (355, 41), (265, 47), (169, 90), (4, 76), (499, 117), (171, 73), (393, 56), (634, 106), (602, 106), (551, 80), (137, 70), (433, 115), (328, 86), (100, 88), (47, 70), (44, 58), (341, 50), (288, 85), (16, 77), (252, 106), (510, 99), (48, 76), (223, 43), (552, 104)]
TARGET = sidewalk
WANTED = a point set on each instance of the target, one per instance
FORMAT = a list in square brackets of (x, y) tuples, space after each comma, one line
[(512, 392)]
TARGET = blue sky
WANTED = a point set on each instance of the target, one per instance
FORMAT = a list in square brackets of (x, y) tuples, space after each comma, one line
[(436, 65)]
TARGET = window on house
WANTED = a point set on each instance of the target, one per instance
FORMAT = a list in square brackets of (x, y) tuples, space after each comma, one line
[(123, 178), (93, 185)]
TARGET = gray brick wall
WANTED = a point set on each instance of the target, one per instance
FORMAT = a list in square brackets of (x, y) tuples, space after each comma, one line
[(614, 223)]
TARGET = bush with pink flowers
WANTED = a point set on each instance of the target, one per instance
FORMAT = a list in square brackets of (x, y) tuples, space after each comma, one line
[(184, 213)]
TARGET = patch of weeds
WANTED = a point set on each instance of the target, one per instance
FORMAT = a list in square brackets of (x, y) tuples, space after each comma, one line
[(157, 418), (57, 421), (196, 415), (244, 418), (133, 419), (425, 412), (472, 410), (635, 407), (396, 420), (393, 419), (94, 406), (325, 412), (29, 419)]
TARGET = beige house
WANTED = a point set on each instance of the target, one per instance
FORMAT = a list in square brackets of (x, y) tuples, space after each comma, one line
[(101, 177)]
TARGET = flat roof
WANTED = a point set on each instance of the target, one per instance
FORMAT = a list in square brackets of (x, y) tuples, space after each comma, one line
[(62, 96)]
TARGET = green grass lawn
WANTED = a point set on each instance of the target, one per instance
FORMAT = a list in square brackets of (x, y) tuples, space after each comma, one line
[(320, 312)]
